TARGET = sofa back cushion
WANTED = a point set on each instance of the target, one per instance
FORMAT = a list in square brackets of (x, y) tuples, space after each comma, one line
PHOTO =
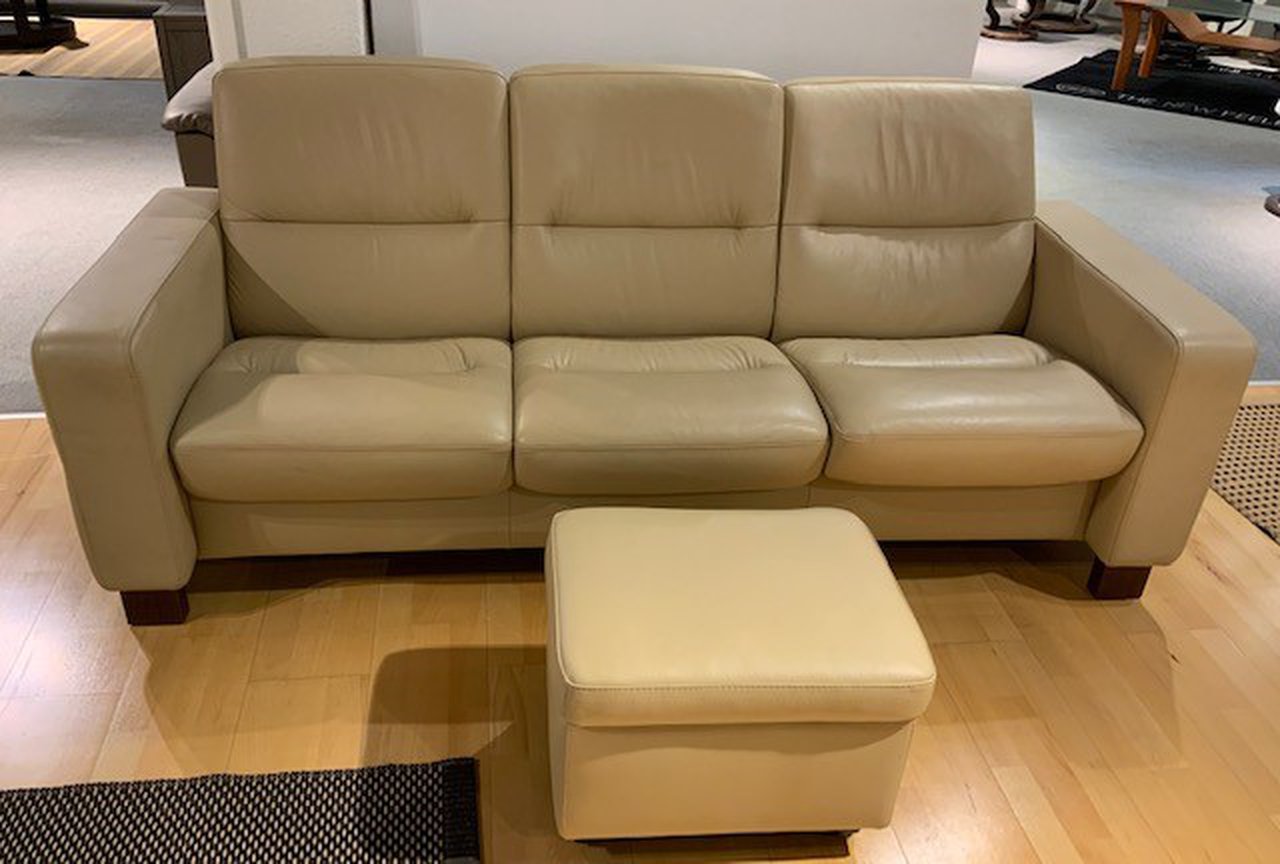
[(907, 209), (364, 198), (645, 201)]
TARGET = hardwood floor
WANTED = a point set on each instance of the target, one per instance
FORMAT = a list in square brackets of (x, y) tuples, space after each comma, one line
[(103, 49), (1063, 729)]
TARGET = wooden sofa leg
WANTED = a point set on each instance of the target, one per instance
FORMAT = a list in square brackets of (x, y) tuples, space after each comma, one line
[(1117, 583), (148, 608)]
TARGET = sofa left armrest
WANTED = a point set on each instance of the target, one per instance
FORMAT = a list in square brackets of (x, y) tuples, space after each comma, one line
[(1178, 359), (115, 361)]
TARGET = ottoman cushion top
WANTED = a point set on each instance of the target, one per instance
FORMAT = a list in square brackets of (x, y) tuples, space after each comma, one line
[(675, 617)]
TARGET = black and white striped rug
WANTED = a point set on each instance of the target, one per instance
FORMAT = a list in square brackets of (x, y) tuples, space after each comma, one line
[(410, 813)]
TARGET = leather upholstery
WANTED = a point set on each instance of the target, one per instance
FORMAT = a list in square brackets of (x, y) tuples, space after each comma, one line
[(966, 411), (364, 197), (519, 518), (629, 589), (645, 201), (531, 512), (418, 420), (1171, 353), (929, 153), (664, 719), (662, 416), (191, 108), (234, 529), (665, 781), (963, 513), (907, 211), (365, 219), (114, 362)]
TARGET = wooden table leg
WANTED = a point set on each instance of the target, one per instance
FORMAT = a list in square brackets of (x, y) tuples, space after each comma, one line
[(1155, 32), (1128, 43)]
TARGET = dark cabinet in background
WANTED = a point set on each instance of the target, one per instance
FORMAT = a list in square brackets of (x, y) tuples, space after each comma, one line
[(183, 37)]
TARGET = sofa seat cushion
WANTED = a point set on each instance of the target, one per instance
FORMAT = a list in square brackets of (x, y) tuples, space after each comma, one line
[(967, 411), (662, 416), (286, 419)]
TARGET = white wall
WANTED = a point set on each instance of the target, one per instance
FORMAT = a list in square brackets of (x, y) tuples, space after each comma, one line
[(781, 38), (253, 28)]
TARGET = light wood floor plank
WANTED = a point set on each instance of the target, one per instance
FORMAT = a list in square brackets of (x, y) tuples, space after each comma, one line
[(163, 726), (49, 741), (103, 48), (951, 809), (317, 632), (1124, 824), (301, 724), (1031, 769)]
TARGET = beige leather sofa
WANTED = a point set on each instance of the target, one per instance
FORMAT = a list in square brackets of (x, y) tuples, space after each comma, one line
[(428, 309)]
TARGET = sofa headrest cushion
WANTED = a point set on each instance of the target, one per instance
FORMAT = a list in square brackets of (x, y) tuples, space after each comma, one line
[(361, 140), (645, 146), (907, 154)]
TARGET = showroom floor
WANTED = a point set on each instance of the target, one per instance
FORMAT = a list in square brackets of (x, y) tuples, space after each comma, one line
[(103, 48), (1189, 190), (78, 158), (1063, 728)]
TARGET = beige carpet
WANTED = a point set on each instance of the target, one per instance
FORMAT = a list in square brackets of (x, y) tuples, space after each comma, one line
[(78, 159), (101, 49), (1248, 472)]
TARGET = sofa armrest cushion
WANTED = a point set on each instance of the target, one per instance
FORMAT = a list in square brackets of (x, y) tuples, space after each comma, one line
[(1179, 361), (114, 363), (191, 108)]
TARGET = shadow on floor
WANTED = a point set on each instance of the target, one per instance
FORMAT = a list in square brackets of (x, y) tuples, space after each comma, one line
[(433, 703)]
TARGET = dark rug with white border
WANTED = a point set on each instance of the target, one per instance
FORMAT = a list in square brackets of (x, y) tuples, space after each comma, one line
[(410, 813), (1247, 96)]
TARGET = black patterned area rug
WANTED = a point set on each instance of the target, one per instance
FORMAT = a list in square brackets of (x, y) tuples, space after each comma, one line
[(1247, 96), (410, 813)]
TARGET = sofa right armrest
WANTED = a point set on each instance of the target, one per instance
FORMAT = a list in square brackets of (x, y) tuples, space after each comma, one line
[(1178, 360), (114, 363)]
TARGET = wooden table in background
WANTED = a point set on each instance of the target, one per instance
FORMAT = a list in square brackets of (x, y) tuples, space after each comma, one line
[(1186, 22)]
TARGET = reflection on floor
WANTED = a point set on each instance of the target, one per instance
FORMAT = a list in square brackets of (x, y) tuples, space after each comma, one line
[(1063, 729), (101, 49)]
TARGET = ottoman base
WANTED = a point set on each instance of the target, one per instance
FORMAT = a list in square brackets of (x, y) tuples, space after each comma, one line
[(667, 781)]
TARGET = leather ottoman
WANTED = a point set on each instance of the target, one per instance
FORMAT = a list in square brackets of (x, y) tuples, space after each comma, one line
[(715, 672)]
